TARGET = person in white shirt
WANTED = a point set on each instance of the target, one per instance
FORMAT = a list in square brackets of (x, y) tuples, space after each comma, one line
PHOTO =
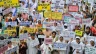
[(32, 44), (91, 44)]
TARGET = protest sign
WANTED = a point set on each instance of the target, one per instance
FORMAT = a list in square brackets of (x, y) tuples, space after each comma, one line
[(9, 3), (73, 8), (10, 23), (47, 14), (76, 46), (41, 36), (86, 21), (60, 46), (9, 32), (23, 36), (79, 33), (12, 51), (6, 11), (48, 41), (22, 10), (24, 23), (44, 6), (90, 50)]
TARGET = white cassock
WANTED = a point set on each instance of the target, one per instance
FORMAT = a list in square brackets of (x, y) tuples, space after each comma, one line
[(32, 46), (61, 51), (45, 48), (77, 46)]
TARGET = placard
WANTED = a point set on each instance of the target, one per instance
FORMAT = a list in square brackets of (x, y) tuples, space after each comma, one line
[(10, 23), (90, 50), (41, 36), (9, 3), (22, 10), (44, 6), (86, 21), (73, 8), (6, 11), (48, 41), (24, 23), (23, 36), (9, 32), (79, 33), (3, 49), (60, 46)]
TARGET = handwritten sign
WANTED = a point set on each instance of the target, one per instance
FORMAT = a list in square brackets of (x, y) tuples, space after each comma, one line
[(90, 50), (25, 23), (73, 8), (86, 21), (41, 36), (9, 32), (6, 11), (78, 32), (9, 3), (60, 46), (48, 40), (23, 36), (10, 23), (44, 6), (22, 10)]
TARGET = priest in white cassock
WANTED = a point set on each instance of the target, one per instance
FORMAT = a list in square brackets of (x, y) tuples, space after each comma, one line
[(77, 46), (32, 44)]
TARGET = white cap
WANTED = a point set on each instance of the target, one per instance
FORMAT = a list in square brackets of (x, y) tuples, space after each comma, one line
[(78, 37), (65, 24), (91, 39)]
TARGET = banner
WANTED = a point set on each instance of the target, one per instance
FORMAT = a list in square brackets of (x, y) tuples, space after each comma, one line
[(90, 50), (22, 10), (78, 33), (44, 6), (47, 14), (60, 46), (41, 36), (9, 2), (10, 23), (48, 41), (6, 11), (73, 8), (24, 23), (9, 32)]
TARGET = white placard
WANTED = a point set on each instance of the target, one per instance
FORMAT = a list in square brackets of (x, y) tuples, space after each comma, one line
[(22, 10), (41, 36)]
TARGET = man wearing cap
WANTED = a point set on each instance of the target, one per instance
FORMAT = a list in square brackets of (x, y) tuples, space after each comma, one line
[(32, 44)]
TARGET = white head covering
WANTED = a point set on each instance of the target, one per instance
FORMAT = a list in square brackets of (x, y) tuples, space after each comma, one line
[(78, 37)]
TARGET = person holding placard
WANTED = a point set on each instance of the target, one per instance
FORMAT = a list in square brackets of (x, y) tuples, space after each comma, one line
[(32, 44)]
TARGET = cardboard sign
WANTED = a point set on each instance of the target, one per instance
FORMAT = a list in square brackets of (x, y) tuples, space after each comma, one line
[(41, 36), (78, 33), (12, 51), (22, 10), (9, 32), (48, 41), (10, 23), (23, 36), (73, 8), (90, 50), (60, 46), (6, 11), (25, 23), (9, 3), (44, 6), (86, 21)]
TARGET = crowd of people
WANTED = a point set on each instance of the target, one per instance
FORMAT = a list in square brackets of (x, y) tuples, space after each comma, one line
[(76, 30)]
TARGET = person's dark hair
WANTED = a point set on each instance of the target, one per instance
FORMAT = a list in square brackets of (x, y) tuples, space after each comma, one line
[(88, 28), (9, 26), (54, 52), (25, 31), (13, 32), (53, 32), (32, 34), (2, 38), (9, 42)]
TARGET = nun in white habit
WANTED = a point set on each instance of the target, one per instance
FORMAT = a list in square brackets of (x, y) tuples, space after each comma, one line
[(61, 40), (32, 44)]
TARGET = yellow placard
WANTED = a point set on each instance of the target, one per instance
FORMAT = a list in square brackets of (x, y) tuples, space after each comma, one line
[(9, 32), (29, 30), (44, 6), (9, 2), (79, 33), (53, 15)]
